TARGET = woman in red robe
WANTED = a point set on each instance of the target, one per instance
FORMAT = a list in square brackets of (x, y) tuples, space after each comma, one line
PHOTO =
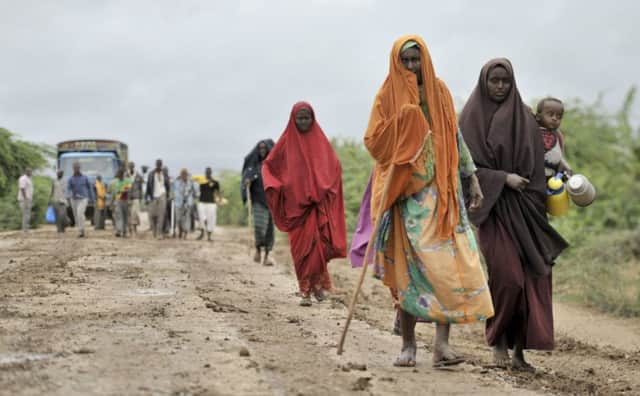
[(303, 184)]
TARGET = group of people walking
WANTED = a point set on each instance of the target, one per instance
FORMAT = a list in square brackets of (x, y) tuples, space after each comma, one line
[(185, 203), (434, 177)]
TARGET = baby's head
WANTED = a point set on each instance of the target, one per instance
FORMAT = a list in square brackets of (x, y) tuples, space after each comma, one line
[(549, 113)]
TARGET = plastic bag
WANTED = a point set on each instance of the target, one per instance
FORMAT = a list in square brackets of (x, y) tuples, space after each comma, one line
[(50, 215)]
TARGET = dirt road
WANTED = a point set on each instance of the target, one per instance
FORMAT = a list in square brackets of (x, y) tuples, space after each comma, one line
[(105, 316)]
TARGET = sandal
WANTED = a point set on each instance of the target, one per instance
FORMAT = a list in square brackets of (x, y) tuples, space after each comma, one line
[(305, 301), (447, 362), (320, 295)]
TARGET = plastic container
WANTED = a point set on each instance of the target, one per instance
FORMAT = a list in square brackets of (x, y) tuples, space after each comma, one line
[(557, 197), (581, 191)]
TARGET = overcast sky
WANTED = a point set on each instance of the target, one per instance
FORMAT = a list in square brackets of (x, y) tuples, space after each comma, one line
[(197, 83)]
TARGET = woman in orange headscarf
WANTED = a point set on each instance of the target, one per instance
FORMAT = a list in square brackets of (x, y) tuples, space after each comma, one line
[(426, 249)]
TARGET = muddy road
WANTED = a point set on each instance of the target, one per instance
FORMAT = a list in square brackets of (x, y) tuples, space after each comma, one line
[(105, 316)]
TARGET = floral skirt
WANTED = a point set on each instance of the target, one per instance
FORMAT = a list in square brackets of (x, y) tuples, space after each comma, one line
[(434, 279)]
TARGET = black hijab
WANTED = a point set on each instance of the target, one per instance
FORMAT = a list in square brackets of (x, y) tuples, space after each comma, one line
[(503, 138), (252, 170)]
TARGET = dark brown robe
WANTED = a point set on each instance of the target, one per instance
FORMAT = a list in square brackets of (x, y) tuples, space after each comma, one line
[(518, 242)]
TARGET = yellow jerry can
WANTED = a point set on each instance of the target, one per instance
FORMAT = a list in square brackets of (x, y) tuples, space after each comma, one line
[(557, 197)]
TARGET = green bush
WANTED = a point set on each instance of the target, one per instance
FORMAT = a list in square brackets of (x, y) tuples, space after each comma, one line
[(603, 272), (15, 156), (600, 269), (604, 148), (234, 212), (10, 213)]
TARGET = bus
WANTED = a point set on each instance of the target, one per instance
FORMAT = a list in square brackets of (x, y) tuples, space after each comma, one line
[(95, 156)]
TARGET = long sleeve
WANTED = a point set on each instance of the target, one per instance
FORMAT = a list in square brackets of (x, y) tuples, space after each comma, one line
[(69, 192)]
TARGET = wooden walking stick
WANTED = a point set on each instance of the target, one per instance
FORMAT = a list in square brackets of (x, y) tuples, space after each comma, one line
[(356, 291), (250, 219)]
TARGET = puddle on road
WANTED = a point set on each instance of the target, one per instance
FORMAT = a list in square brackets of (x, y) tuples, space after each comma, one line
[(7, 359), (151, 292)]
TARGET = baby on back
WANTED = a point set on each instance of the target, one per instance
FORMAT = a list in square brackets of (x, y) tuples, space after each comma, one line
[(549, 116)]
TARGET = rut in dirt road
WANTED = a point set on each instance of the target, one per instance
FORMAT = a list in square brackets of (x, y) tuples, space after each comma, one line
[(105, 316)]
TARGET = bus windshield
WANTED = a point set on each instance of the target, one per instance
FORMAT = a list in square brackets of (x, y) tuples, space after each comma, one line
[(90, 165)]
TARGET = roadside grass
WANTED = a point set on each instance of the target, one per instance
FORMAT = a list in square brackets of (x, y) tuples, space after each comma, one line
[(603, 273)]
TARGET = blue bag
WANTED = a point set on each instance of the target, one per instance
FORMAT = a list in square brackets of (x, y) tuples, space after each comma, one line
[(51, 215)]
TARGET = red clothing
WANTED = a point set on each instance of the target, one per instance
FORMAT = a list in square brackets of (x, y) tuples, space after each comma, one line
[(549, 138), (303, 185)]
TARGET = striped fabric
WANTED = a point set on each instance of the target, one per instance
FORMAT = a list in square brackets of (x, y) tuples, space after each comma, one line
[(263, 226)]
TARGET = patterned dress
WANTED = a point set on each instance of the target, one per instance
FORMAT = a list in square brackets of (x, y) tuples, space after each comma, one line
[(431, 278)]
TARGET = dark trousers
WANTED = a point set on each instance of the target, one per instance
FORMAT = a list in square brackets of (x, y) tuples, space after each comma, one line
[(60, 209), (99, 218)]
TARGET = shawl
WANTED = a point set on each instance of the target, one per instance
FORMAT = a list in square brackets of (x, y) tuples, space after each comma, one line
[(302, 178), (397, 132), (504, 138), (251, 170)]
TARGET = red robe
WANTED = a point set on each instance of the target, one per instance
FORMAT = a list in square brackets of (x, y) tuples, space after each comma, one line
[(303, 185)]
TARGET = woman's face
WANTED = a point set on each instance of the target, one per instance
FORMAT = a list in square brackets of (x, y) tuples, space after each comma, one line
[(304, 120), (498, 84), (262, 150), (410, 58)]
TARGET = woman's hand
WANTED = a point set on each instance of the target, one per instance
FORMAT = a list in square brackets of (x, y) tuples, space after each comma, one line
[(476, 194), (517, 182)]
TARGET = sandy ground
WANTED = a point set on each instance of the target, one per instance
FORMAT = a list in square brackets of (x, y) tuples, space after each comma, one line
[(105, 316)]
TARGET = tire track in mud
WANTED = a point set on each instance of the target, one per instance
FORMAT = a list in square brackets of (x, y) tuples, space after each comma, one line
[(574, 367), (296, 346), (188, 311)]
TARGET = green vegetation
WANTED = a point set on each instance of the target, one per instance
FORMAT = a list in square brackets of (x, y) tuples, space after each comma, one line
[(15, 156), (603, 272), (234, 212), (602, 267)]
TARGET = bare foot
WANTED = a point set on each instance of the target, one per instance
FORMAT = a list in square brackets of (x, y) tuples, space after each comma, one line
[(396, 325), (256, 257), (501, 357), (407, 357), (519, 364), (444, 356)]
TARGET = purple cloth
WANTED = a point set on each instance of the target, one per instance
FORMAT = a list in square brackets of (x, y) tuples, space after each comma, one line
[(363, 231)]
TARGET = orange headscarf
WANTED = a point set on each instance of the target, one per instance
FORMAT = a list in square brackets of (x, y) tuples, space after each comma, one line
[(397, 132)]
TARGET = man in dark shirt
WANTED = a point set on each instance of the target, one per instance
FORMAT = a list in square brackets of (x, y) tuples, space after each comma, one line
[(80, 193), (209, 192)]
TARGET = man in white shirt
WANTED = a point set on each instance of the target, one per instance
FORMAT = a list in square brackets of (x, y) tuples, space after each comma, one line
[(156, 196), (25, 198)]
